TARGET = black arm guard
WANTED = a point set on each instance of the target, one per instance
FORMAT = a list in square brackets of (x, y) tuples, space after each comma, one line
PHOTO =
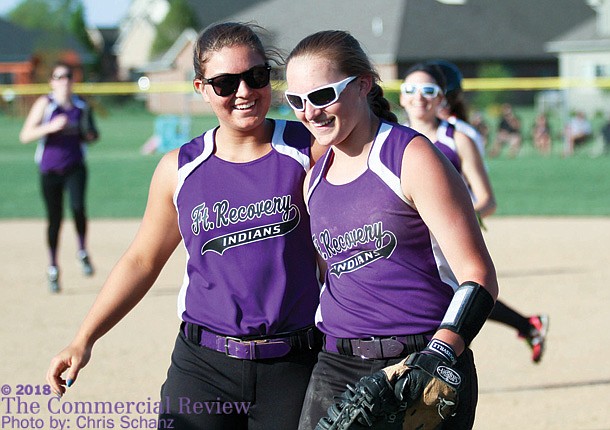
[(468, 311)]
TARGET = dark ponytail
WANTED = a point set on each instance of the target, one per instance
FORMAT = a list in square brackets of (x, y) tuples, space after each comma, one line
[(380, 105)]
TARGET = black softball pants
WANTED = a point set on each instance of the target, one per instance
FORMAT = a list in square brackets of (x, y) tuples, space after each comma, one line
[(53, 186), (333, 372), (210, 390)]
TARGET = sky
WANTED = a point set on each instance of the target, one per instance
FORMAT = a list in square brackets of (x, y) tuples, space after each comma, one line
[(101, 13)]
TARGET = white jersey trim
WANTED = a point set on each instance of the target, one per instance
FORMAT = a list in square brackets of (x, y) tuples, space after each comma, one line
[(444, 270), (278, 143), (183, 173), (442, 137), (380, 169)]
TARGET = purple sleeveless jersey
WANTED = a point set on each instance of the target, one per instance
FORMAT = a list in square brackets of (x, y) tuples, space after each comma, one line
[(386, 275), (250, 266), (445, 142), (60, 151)]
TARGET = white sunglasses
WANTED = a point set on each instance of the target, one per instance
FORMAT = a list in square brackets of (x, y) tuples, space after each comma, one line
[(320, 97), (428, 91)]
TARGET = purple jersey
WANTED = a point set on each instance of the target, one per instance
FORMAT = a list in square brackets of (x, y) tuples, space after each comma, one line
[(58, 152), (250, 266), (445, 142), (386, 275)]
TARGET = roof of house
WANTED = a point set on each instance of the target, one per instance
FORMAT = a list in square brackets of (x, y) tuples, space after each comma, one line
[(488, 29), (186, 38), (375, 23), (410, 30), (582, 37), (25, 43), (22, 40)]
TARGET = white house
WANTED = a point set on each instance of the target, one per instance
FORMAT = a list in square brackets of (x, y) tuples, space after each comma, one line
[(136, 35), (584, 58)]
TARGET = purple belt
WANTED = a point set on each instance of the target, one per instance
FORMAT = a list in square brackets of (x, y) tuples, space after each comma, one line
[(254, 348), (377, 347)]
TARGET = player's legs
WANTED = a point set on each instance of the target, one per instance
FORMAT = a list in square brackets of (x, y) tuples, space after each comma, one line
[(533, 329), (236, 394), (52, 193), (329, 379), (333, 372), (76, 182), (469, 394), (514, 144), (280, 390), (198, 374), (506, 315)]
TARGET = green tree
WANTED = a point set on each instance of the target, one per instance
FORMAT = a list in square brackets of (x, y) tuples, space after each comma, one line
[(484, 99), (179, 17), (34, 14), (78, 28), (61, 17), (58, 20)]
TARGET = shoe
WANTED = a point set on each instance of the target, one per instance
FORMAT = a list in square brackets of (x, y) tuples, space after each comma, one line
[(53, 277), (537, 335), (83, 257)]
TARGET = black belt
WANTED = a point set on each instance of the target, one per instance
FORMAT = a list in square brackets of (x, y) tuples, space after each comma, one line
[(377, 347), (254, 347)]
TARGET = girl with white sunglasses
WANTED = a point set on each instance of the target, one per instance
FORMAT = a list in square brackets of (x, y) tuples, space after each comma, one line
[(389, 214)]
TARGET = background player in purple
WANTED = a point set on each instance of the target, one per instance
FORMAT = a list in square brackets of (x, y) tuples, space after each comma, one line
[(233, 196), (383, 204), (426, 113), (62, 123)]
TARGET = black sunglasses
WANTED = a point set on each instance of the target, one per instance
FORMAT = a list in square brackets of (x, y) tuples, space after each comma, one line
[(256, 78)]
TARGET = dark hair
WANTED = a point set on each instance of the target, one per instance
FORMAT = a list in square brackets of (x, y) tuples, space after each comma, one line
[(453, 76), (65, 65), (345, 51), (457, 106), (228, 34), (454, 95), (432, 70)]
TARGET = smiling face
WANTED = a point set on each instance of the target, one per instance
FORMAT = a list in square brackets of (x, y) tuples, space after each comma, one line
[(245, 109), (417, 105), (332, 124)]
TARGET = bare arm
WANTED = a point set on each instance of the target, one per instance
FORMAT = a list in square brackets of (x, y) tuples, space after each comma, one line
[(33, 127), (476, 175), (130, 279), (442, 200)]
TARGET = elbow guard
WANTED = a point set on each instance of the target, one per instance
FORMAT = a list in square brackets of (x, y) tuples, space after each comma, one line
[(468, 310)]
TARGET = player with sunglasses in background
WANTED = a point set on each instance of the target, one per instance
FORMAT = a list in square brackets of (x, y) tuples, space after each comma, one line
[(389, 215), (63, 124), (452, 108), (233, 196)]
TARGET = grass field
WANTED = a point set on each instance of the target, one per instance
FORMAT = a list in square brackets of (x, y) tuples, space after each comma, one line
[(119, 174)]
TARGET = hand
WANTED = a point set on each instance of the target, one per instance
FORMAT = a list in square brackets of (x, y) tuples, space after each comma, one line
[(429, 389), (58, 123), (72, 359)]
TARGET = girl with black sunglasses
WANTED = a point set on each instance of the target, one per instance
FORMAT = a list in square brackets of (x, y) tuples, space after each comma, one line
[(389, 217), (233, 196)]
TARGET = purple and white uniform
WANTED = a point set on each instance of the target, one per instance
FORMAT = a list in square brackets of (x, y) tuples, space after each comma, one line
[(58, 152), (386, 275), (250, 266), (445, 142)]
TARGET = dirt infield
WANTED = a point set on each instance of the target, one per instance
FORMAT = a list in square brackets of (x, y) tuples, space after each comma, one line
[(559, 266)]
